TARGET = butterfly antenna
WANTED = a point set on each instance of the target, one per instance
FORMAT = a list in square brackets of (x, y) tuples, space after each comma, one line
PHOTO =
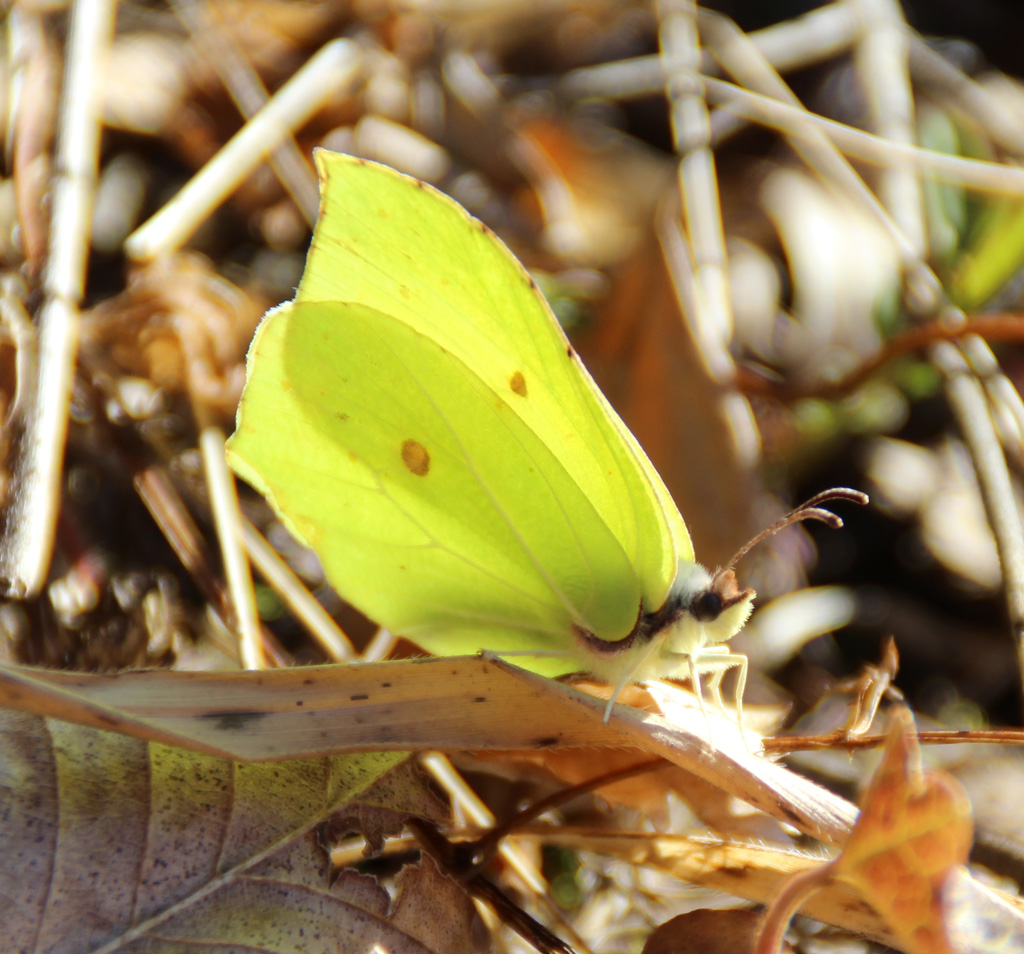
[(808, 510)]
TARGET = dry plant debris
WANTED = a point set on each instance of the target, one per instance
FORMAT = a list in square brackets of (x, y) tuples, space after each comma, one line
[(911, 839), (789, 250)]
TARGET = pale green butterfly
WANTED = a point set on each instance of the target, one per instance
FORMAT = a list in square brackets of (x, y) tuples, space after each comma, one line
[(418, 418)]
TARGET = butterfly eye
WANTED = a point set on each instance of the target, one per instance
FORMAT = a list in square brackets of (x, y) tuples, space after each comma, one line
[(707, 606)]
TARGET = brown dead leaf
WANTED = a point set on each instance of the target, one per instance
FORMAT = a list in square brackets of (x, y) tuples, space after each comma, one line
[(114, 844), (729, 931), (914, 831), (434, 909)]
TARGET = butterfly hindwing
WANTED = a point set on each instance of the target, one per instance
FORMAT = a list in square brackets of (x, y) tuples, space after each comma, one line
[(433, 507)]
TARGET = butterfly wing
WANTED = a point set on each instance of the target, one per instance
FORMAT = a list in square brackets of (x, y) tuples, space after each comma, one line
[(402, 247), (434, 508), (418, 417)]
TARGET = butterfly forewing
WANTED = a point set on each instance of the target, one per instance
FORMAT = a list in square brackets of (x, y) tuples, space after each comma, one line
[(386, 241)]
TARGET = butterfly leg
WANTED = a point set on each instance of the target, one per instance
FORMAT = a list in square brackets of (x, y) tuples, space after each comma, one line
[(695, 681), (715, 661), (715, 688)]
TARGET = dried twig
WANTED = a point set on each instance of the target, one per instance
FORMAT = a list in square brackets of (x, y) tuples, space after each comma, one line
[(32, 513), (333, 68)]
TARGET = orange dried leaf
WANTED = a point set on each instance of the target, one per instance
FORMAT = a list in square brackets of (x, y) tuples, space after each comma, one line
[(914, 831)]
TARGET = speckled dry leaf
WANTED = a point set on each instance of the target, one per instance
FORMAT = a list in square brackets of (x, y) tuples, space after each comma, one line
[(113, 844), (442, 925), (382, 811), (448, 704), (914, 831), (434, 909), (466, 703)]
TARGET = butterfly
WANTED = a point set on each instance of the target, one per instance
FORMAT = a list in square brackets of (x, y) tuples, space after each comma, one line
[(417, 416)]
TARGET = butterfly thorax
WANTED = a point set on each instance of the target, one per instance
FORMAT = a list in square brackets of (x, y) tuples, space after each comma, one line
[(702, 609)]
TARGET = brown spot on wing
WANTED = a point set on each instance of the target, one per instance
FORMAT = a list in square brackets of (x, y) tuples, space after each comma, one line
[(518, 383), (415, 457)]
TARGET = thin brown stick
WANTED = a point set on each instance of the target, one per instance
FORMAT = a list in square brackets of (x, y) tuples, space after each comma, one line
[(998, 327), (784, 744), (450, 859)]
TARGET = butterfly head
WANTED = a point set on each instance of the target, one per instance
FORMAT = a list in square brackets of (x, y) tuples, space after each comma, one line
[(701, 610), (706, 609)]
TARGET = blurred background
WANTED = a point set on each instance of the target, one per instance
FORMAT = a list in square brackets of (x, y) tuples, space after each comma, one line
[(786, 238)]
